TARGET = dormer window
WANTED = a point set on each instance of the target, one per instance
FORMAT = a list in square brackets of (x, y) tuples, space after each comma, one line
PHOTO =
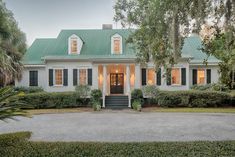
[(116, 44), (75, 44)]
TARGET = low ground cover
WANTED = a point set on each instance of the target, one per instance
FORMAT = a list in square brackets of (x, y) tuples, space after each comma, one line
[(190, 110), (17, 144)]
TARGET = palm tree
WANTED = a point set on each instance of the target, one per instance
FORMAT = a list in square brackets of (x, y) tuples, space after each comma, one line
[(12, 47), (9, 105)]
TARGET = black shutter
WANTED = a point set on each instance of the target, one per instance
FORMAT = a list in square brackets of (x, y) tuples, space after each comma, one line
[(183, 76), (159, 77), (194, 76), (75, 77), (33, 78), (89, 77), (143, 77), (208, 76), (168, 76), (65, 77), (50, 77)]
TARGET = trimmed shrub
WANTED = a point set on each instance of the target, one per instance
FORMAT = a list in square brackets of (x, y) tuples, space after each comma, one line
[(193, 99), (150, 92), (28, 89), (46, 100), (211, 87), (25, 148), (96, 96), (136, 105), (137, 95)]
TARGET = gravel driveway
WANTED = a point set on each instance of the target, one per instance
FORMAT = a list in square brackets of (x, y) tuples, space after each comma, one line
[(119, 126)]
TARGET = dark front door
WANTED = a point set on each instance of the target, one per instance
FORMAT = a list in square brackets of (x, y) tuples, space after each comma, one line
[(116, 83)]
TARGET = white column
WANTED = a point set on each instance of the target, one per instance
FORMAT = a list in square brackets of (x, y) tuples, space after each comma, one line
[(104, 83), (137, 76), (95, 75), (128, 86)]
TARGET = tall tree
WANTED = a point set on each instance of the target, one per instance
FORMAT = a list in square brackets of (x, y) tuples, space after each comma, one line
[(221, 41), (162, 26), (12, 47)]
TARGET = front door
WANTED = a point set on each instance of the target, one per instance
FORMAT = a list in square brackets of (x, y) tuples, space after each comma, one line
[(116, 83)]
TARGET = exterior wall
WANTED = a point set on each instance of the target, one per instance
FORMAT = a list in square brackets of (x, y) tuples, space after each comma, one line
[(65, 65), (214, 72), (43, 78), (25, 77), (164, 86)]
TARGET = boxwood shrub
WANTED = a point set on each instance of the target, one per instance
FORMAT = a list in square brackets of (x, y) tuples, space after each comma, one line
[(193, 98), (18, 145), (44, 100)]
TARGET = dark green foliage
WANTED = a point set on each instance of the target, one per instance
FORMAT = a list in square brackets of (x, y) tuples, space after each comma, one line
[(137, 95), (17, 145), (193, 99), (9, 104), (211, 87), (54, 100), (28, 89), (96, 96), (12, 46)]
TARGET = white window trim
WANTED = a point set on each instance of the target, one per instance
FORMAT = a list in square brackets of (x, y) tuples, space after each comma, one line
[(205, 70), (180, 84), (112, 44), (155, 77), (79, 45), (78, 79), (54, 78)]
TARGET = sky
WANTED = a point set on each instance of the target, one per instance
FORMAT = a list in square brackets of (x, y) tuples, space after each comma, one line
[(45, 18)]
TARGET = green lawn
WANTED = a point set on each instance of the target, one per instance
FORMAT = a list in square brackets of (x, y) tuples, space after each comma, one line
[(17, 144), (191, 110)]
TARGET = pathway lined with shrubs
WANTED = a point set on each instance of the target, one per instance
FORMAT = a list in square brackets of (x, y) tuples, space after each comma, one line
[(118, 126)]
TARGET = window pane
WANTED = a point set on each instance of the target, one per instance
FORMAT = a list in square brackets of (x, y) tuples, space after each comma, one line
[(33, 78), (116, 46), (151, 77), (58, 76), (74, 46), (82, 77), (201, 76), (175, 76)]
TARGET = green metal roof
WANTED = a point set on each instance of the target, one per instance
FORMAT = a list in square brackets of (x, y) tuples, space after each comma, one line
[(97, 45), (193, 49)]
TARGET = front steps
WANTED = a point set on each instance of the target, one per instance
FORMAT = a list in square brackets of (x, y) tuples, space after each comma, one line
[(116, 102)]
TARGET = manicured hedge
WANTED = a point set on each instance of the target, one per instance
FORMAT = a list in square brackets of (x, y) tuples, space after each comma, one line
[(25, 148), (53, 100), (194, 98), (28, 89)]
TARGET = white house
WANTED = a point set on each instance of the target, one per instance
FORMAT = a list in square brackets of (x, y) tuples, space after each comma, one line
[(103, 60)]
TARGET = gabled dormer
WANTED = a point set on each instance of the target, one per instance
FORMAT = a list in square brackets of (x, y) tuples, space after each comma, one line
[(116, 44), (74, 44)]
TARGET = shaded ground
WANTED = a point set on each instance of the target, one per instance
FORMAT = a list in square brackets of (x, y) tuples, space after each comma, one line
[(126, 126)]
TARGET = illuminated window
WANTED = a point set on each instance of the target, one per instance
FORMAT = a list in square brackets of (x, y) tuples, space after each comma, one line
[(200, 76), (151, 77), (58, 76), (82, 76), (74, 45), (175, 76), (116, 48), (116, 44)]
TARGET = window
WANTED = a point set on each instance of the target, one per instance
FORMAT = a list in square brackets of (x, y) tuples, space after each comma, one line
[(200, 76), (175, 76), (116, 44), (33, 78), (58, 77), (82, 76), (116, 48), (74, 45), (151, 77)]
